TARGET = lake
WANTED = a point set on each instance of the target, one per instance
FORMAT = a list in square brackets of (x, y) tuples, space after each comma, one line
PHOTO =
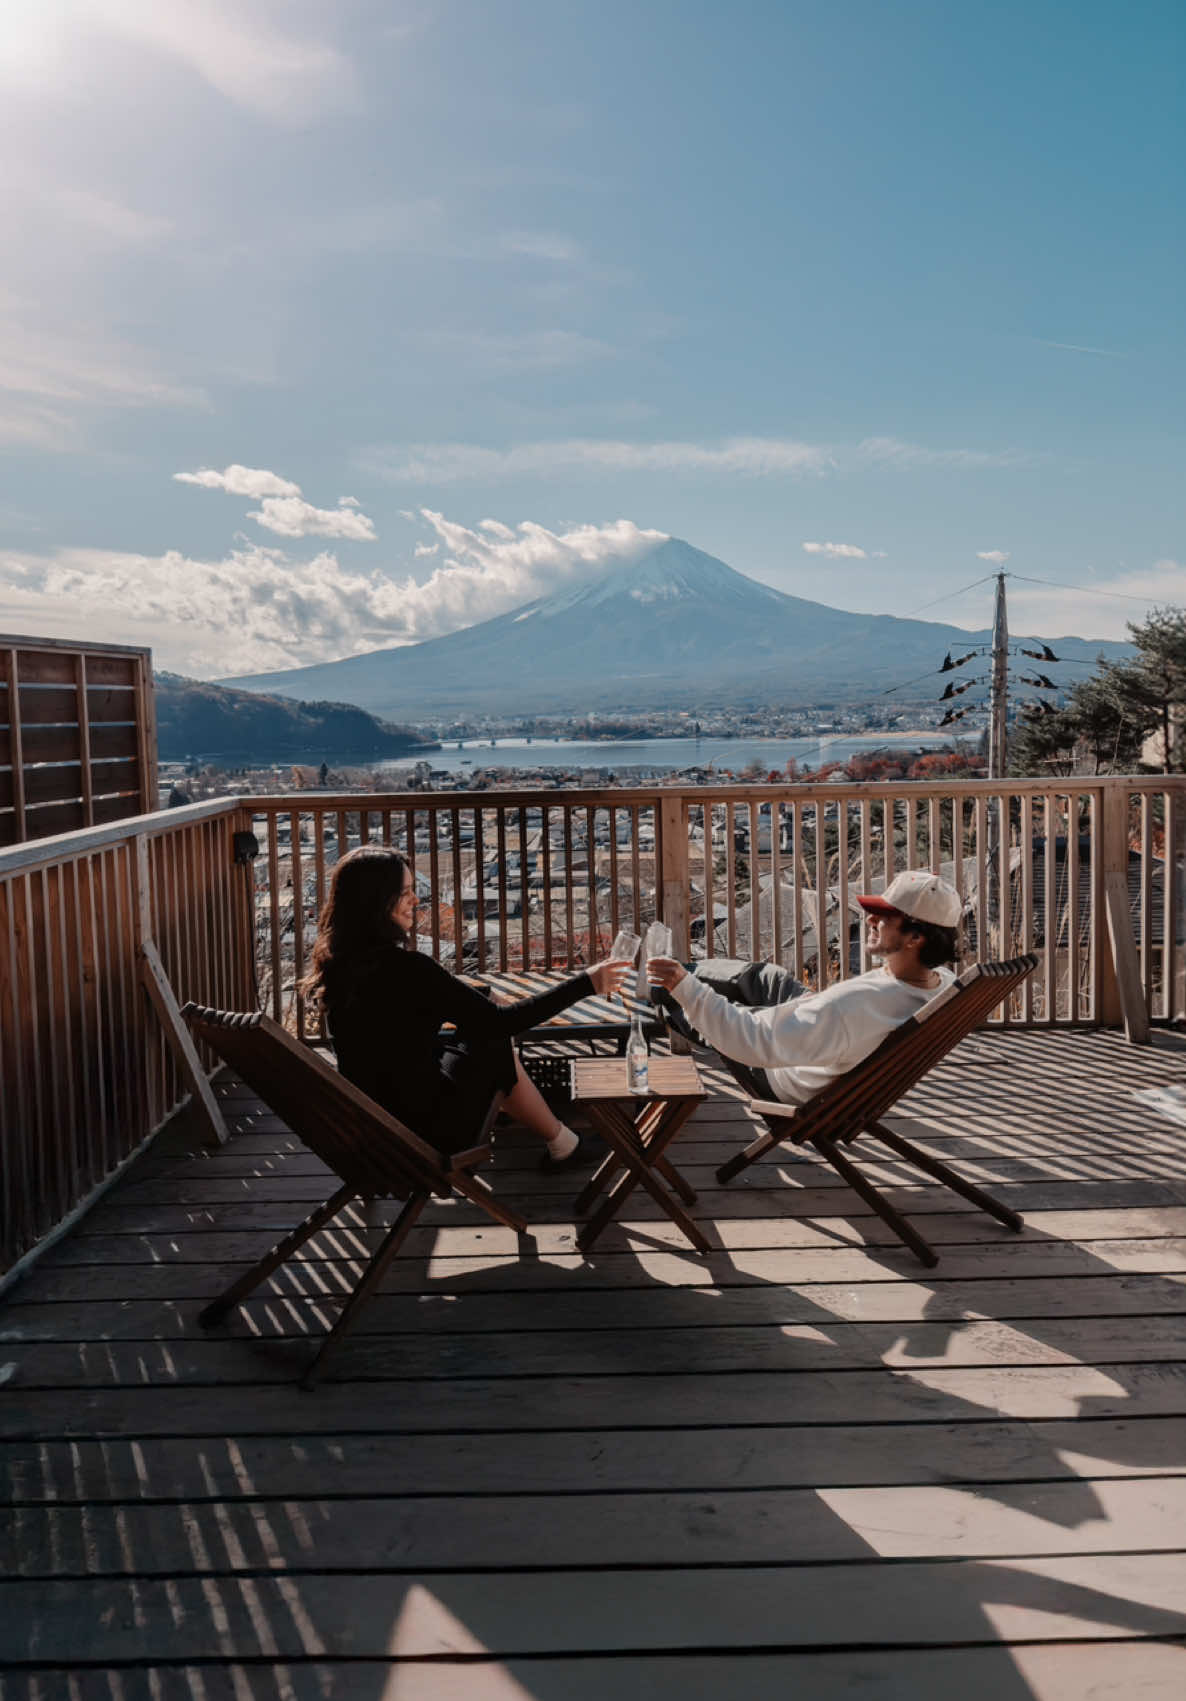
[(662, 755)]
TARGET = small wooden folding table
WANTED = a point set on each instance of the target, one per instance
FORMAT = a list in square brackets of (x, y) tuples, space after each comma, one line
[(638, 1128)]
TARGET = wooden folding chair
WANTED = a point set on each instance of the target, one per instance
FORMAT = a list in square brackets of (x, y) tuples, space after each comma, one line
[(855, 1102), (372, 1152)]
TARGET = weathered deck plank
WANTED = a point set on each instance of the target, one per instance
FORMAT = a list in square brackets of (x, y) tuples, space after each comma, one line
[(648, 1473), (508, 1612), (1065, 1672), (576, 1461)]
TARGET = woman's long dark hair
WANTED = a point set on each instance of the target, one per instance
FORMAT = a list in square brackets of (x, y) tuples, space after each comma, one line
[(357, 916)]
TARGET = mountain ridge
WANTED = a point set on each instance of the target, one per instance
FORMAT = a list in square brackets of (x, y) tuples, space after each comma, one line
[(672, 625)]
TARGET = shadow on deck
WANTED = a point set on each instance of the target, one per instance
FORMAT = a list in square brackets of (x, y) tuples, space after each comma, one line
[(800, 1465)]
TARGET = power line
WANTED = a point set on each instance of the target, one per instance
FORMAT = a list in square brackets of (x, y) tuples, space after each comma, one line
[(946, 597), (1062, 585)]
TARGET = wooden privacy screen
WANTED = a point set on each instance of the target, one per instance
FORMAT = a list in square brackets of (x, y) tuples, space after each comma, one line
[(77, 736)]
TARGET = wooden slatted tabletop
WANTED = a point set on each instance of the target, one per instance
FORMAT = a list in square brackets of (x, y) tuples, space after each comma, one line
[(605, 1078)]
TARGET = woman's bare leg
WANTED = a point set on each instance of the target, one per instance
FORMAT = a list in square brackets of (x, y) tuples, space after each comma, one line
[(527, 1105)]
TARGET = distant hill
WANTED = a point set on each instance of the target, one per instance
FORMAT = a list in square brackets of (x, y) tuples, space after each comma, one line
[(675, 626), (217, 721)]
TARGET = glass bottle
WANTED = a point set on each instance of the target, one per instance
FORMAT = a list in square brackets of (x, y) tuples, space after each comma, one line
[(637, 1058)]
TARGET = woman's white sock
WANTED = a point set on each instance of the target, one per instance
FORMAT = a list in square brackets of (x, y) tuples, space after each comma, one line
[(563, 1143)]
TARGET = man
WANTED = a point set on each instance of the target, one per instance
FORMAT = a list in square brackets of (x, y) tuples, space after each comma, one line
[(797, 1041)]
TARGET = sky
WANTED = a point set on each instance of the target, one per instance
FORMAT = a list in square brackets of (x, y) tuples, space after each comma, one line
[(327, 325)]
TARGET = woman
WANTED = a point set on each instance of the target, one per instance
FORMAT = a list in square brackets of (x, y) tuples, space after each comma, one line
[(386, 1003)]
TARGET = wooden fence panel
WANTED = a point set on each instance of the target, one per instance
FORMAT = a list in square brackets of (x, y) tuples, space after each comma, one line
[(77, 736)]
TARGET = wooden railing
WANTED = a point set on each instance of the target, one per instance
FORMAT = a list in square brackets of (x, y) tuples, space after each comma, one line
[(537, 878), (85, 1070), (545, 879)]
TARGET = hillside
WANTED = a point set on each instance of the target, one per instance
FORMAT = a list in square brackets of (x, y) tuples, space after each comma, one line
[(197, 719), (674, 626)]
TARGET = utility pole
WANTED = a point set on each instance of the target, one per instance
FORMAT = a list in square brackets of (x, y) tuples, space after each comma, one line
[(999, 688)]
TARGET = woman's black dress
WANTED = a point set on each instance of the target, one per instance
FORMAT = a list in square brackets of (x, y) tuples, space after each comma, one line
[(385, 1020)]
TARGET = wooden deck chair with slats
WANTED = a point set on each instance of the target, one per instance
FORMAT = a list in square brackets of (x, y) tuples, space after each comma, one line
[(855, 1103), (371, 1152)]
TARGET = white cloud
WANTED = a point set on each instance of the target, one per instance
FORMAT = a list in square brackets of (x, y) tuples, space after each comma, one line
[(998, 557), (282, 508), (839, 551), (254, 609), (425, 549), (292, 516), (453, 463), (494, 568), (258, 609), (236, 50), (892, 451), (255, 482), (743, 457)]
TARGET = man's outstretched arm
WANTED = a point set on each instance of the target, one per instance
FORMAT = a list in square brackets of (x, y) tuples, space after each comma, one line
[(782, 1036)]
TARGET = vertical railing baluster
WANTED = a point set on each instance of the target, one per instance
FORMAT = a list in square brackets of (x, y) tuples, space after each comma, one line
[(298, 921), (800, 870), (434, 875), (1025, 943), (730, 880), (545, 849), (1098, 922), (613, 870), (593, 952), (710, 890), (458, 900), (1076, 1001), (1050, 816), (823, 955), (274, 913), (1146, 898), (480, 886), (843, 919), (754, 816), (1169, 895), (957, 856), (568, 895), (983, 943), (500, 832)]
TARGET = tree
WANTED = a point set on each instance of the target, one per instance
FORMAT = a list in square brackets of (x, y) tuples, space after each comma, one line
[(1103, 726), (1044, 743), (1153, 685)]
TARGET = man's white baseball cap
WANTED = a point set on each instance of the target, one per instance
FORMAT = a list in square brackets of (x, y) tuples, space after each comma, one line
[(919, 894)]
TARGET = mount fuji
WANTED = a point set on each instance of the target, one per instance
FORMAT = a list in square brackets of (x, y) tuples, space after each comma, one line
[(673, 627)]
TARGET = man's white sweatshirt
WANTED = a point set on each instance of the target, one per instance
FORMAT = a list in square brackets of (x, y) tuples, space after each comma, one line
[(806, 1043)]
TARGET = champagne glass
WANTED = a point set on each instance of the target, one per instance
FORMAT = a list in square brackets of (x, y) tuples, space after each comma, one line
[(658, 944), (623, 949)]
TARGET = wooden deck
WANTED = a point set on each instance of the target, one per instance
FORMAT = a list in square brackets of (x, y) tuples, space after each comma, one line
[(803, 1466)]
